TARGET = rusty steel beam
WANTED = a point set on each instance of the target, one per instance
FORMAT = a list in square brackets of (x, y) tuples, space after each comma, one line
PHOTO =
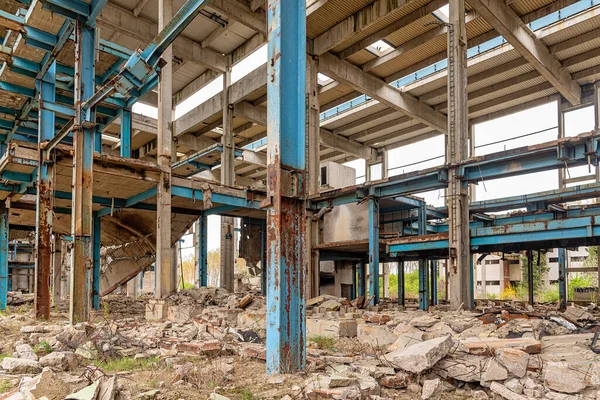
[(44, 199), (83, 147)]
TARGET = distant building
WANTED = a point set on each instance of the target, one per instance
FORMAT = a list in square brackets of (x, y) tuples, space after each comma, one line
[(575, 259), (494, 274)]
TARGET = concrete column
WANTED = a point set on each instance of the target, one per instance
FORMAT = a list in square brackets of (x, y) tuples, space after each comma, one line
[(57, 272), (227, 178), (562, 173), (163, 270), (386, 280), (65, 267), (461, 291), (483, 279), (132, 287), (313, 135)]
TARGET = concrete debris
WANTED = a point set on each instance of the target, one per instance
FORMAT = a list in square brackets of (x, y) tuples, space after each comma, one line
[(421, 356), (375, 352)]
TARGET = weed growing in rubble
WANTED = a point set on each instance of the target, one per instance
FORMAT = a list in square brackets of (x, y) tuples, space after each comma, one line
[(246, 393), (3, 356), (106, 309), (43, 348), (5, 386), (324, 342), (125, 364)]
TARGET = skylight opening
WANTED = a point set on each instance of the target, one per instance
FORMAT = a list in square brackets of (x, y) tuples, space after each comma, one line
[(380, 47), (323, 79), (444, 10)]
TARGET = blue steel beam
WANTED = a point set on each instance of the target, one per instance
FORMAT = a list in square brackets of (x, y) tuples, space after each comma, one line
[(286, 208), (401, 292), (126, 122)]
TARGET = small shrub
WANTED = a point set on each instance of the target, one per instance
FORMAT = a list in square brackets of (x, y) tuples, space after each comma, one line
[(324, 342), (508, 293), (43, 348), (492, 296)]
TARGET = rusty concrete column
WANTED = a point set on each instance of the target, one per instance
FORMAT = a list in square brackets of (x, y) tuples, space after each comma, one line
[(163, 267), (227, 178), (460, 274), (83, 148)]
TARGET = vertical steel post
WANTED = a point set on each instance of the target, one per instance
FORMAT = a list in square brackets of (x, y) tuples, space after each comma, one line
[(44, 198), (401, 294), (530, 275), (562, 278), (423, 263), (362, 278), (3, 255), (354, 281), (456, 151), (202, 242), (96, 272), (125, 149), (83, 147), (286, 186), (164, 284), (434, 283), (97, 140), (374, 248)]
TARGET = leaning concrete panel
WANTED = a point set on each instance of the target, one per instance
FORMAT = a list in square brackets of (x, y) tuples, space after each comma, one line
[(346, 222)]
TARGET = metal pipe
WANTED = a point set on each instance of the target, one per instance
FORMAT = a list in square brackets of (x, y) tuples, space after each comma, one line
[(530, 276), (562, 278), (96, 271), (3, 255)]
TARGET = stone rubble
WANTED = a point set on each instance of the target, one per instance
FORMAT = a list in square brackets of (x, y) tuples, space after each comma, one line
[(375, 352)]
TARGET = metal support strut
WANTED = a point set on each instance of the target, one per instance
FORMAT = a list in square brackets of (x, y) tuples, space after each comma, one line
[(374, 248), (202, 262), (286, 187)]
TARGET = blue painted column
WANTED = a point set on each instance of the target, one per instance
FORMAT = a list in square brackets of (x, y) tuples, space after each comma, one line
[(141, 280), (374, 248), (362, 278), (202, 261), (125, 133), (401, 290), (423, 264), (83, 147), (434, 283), (3, 256), (96, 272), (562, 278), (44, 199), (286, 186)]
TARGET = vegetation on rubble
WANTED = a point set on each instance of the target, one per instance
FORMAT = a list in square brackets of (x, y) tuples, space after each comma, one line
[(540, 270), (411, 285), (125, 364), (3, 356), (43, 348), (5, 385), (324, 342)]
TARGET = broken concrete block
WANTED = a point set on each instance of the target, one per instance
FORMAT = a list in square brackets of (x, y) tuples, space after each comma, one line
[(431, 389), (341, 381), (560, 378), (514, 385), (406, 339), (108, 389), (335, 328), (376, 336), (59, 361), (368, 386), (399, 381), (87, 393), (216, 396), (157, 310), (252, 319), (505, 392), (182, 313), (330, 305), (25, 351), (487, 346), (461, 366), (20, 366), (425, 321), (515, 361), (494, 371), (421, 356)]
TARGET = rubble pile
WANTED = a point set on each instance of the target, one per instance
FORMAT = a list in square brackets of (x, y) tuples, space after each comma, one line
[(366, 352)]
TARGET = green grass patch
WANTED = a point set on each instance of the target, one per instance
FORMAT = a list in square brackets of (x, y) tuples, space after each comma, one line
[(125, 364), (43, 348), (324, 342), (5, 386), (3, 356)]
